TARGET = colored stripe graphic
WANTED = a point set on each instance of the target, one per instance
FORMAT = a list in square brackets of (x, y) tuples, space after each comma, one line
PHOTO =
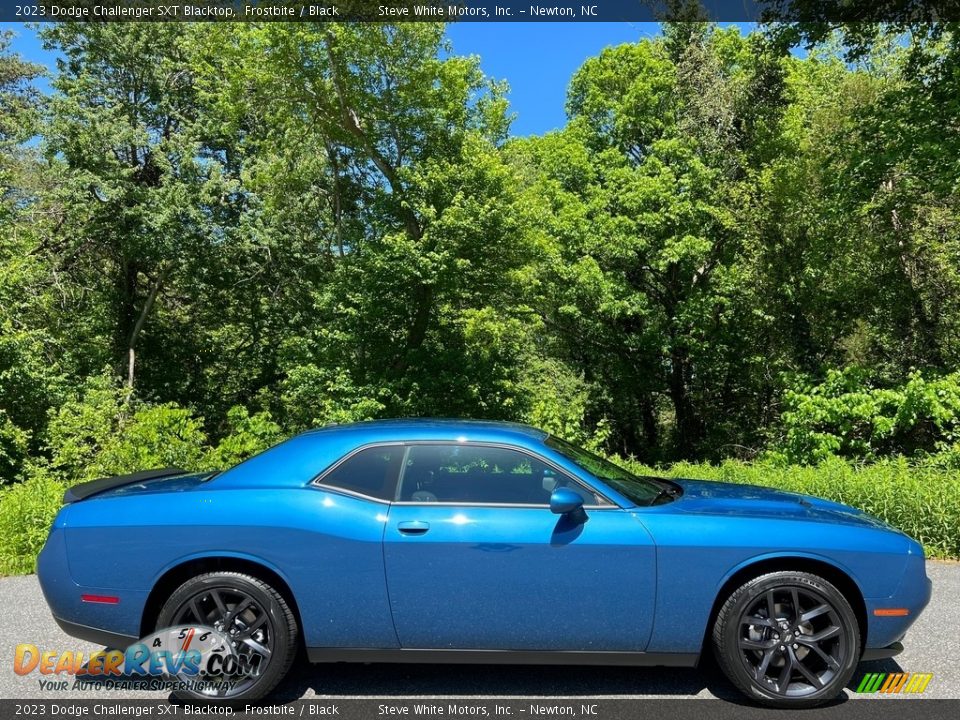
[(894, 683), (918, 682), (871, 682)]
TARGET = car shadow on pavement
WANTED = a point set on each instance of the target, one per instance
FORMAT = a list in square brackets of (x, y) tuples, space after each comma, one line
[(407, 680), (410, 680)]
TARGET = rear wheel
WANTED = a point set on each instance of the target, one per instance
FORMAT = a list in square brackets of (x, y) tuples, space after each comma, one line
[(258, 622), (787, 639)]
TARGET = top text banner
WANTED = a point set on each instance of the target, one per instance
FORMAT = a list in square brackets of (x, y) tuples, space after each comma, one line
[(895, 11)]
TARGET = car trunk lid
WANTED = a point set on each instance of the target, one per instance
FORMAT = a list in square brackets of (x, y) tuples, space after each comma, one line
[(145, 480)]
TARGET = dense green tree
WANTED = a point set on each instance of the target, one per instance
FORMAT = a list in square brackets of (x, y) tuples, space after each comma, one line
[(20, 107), (280, 225), (860, 233), (646, 193), (140, 196), (29, 377), (374, 161)]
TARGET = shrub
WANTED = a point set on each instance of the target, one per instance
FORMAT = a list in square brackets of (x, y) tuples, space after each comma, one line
[(156, 436), (30, 383), (14, 443), (557, 400), (105, 431), (922, 499), (248, 435), (312, 396), (847, 416), (26, 512), (80, 430)]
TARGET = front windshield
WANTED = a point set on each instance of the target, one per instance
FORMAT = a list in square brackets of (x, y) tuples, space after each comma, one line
[(642, 491)]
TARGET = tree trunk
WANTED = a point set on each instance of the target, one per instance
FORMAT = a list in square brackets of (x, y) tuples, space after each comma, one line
[(138, 326), (651, 434), (688, 425), (417, 332), (127, 287)]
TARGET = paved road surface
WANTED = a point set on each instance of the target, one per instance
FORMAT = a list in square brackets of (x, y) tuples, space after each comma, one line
[(932, 645)]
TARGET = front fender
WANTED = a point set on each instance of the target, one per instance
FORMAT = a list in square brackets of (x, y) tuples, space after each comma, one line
[(697, 554)]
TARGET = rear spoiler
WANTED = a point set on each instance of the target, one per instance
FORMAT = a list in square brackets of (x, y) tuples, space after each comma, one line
[(85, 490)]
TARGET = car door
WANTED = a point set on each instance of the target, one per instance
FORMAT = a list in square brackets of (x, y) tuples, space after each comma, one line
[(337, 570), (475, 559)]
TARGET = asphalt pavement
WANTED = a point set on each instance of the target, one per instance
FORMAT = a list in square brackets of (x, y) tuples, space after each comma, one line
[(931, 646)]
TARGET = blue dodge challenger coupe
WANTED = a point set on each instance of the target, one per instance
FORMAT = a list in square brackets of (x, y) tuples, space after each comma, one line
[(482, 542)]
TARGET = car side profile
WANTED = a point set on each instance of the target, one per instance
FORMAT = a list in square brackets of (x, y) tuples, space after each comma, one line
[(482, 542)]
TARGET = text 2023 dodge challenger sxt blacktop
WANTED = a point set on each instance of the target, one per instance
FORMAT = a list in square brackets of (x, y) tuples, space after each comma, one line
[(456, 541)]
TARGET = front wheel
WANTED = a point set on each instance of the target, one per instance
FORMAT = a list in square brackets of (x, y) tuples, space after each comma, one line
[(787, 639), (260, 626)]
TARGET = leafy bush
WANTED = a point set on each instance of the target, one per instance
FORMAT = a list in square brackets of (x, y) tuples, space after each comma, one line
[(26, 512), (156, 436), (29, 385), (13, 448), (313, 396), (847, 416), (923, 500), (249, 434), (80, 430), (557, 401), (105, 431)]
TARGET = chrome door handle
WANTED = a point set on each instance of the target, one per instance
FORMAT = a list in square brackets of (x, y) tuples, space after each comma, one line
[(413, 527)]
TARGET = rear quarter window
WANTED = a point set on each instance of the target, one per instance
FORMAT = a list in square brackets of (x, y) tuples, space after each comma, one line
[(371, 471)]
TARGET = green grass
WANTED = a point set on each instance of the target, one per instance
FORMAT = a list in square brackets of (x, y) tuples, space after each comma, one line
[(923, 501)]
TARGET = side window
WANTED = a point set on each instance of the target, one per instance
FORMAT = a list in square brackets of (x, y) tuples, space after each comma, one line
[(372, 471), (477, 474)]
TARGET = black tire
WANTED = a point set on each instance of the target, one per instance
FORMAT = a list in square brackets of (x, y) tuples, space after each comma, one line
[(277, 622), (802, 656)]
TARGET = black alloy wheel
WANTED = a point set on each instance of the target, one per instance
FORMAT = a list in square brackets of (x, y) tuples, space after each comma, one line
[(258, 622), (787, 639)]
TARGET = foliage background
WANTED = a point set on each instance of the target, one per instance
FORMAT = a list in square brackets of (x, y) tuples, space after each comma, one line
[(734, 261)]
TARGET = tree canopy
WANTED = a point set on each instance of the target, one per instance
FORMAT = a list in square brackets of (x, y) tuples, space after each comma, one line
[(211, 240)]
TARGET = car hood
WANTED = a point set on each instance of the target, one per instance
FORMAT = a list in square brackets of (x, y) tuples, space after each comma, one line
[(721, 498)]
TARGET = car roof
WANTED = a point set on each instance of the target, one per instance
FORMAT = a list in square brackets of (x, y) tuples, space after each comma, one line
[(406, 429), (302, 457)]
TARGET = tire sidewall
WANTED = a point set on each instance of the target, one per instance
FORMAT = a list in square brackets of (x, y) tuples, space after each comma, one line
[(751, 592), (260, 592)]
